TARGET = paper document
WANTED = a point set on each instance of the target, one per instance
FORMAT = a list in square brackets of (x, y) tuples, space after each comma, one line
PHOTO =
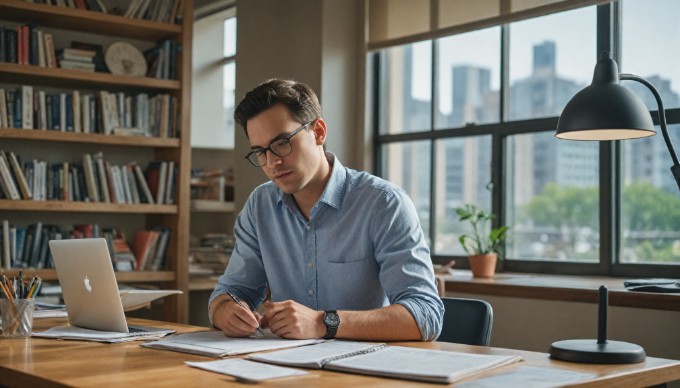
[(247, 370), (318, 355), (215, 344), (530, 377), (383, 360), (420, 364), (133, 299), (79, 333)]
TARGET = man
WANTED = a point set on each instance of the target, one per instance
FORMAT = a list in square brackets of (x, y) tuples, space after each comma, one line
[(342, 251)]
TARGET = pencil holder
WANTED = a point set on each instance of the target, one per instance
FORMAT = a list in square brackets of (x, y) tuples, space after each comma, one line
[(17, 317)]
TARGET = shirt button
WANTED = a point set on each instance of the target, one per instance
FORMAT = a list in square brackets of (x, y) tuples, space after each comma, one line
[(309, 227), (310, 264), (310, 292)]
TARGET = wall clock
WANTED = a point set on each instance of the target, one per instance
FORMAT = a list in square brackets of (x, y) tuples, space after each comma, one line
[(125, 59)]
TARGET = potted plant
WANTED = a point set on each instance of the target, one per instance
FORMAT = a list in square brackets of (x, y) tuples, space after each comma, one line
[(484, 244)]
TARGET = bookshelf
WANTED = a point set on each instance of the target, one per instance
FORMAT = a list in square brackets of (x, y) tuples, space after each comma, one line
[(102, 28)]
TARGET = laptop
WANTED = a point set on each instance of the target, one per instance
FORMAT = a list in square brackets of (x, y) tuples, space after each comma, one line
[(89, 287)]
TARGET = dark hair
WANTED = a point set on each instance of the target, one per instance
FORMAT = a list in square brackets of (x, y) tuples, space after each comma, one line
[(299, 98)]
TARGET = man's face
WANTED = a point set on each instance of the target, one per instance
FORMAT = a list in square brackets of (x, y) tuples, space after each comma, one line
[(293, 172)]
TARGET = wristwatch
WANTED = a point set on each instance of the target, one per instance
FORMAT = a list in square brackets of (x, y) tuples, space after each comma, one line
[(332, 321)]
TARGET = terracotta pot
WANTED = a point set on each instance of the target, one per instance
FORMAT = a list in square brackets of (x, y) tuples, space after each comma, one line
[(483, 266)]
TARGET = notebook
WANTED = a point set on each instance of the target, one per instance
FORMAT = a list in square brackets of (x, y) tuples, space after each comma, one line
[(89, 286)]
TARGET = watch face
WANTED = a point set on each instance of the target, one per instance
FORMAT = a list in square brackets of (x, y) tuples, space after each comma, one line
[(331, 319)]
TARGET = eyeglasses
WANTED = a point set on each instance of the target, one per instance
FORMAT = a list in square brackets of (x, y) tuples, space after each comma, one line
[(280, 147)]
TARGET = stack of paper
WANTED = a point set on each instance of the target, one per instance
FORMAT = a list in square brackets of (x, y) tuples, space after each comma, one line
[(79, 333)]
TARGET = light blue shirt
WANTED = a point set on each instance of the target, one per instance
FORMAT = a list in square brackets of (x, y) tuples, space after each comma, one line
[(363, 248)]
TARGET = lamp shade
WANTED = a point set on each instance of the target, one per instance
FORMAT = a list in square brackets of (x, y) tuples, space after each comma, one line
[(605, 110)]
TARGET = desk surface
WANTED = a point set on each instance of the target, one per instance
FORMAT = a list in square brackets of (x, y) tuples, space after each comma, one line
[(46, 363)]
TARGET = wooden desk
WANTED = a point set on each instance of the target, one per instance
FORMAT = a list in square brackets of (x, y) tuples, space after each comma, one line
[(53, 363)]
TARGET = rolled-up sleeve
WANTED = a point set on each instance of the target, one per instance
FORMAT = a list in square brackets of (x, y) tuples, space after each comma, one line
[(406, 272)]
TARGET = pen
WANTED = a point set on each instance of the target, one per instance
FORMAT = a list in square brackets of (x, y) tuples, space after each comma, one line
[(238, 301)]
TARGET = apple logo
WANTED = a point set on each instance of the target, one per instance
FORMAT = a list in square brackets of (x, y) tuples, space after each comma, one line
[(88, 287)]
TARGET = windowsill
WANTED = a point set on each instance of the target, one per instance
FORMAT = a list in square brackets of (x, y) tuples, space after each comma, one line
[(559, 287)]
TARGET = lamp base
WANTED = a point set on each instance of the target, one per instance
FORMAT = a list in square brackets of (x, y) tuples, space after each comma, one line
[(589, 351)]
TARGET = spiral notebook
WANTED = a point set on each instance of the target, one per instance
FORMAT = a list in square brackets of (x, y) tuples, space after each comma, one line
[(380, 359)]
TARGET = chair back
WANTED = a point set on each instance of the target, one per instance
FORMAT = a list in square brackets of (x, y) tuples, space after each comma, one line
[(467, 321)]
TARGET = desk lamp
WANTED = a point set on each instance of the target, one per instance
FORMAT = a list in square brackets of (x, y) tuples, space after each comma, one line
[(605, 110)]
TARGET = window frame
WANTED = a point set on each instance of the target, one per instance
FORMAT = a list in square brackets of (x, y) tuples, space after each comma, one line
[(608, 27)]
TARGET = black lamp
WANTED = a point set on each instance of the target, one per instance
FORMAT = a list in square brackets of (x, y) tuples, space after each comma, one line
[(605, 110)]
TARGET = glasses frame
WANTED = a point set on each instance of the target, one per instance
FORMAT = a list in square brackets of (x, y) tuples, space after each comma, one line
[(263, 151)]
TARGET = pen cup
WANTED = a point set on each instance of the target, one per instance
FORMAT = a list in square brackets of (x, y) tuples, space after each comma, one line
[(17, 317)]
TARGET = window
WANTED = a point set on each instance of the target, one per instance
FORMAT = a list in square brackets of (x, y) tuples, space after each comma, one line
[(470, 118), (212, 122)]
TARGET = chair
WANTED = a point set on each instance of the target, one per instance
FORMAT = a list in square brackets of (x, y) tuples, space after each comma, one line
[(467, 321)]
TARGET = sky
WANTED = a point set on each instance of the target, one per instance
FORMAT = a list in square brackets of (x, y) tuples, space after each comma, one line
[(650, 38)]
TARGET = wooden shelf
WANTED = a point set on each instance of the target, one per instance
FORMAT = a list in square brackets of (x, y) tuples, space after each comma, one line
[(86, 21), (558, 287), (124, 277), (202, 283), (84, 207), (103, 28), (45, 76), (91, 138), (201, 205)]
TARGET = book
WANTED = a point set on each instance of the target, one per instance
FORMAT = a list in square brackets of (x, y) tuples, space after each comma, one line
[(215, 344), (123, 258), (401, 362), (19, 175), (247, 371), (144, 246)]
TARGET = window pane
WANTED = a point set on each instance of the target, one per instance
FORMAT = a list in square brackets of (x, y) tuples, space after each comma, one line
[(469, 80), (552, 198), (650, 217), (228, 101), (406, 88), (230, 37), (408, 166), (551, 58), (463, 174), (650, 30)]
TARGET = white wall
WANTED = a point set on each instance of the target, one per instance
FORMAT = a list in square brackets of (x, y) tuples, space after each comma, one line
[(315, 42)]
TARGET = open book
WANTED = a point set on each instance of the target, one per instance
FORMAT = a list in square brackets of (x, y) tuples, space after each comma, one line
[(215, 344), (390, 361)]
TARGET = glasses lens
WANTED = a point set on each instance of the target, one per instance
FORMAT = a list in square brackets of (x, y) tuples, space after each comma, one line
[(281, 147), (257, 158)]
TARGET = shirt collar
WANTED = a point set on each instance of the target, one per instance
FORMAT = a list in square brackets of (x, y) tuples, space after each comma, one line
[(335, 187)]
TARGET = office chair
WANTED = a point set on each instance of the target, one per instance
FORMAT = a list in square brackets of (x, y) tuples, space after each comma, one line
[(467, 321)]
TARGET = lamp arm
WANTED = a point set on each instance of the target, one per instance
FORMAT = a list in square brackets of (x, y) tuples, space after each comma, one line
[(675, 169)]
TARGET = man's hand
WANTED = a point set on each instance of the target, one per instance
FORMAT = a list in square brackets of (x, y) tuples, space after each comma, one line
[(289, 319), (234, 320)]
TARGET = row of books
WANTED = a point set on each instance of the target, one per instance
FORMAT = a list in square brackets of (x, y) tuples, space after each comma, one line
[(27, 247), (163, 11), (27, 45), (211, 254), (162, 59), (104, 112), (212, 184), (93, 180)]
